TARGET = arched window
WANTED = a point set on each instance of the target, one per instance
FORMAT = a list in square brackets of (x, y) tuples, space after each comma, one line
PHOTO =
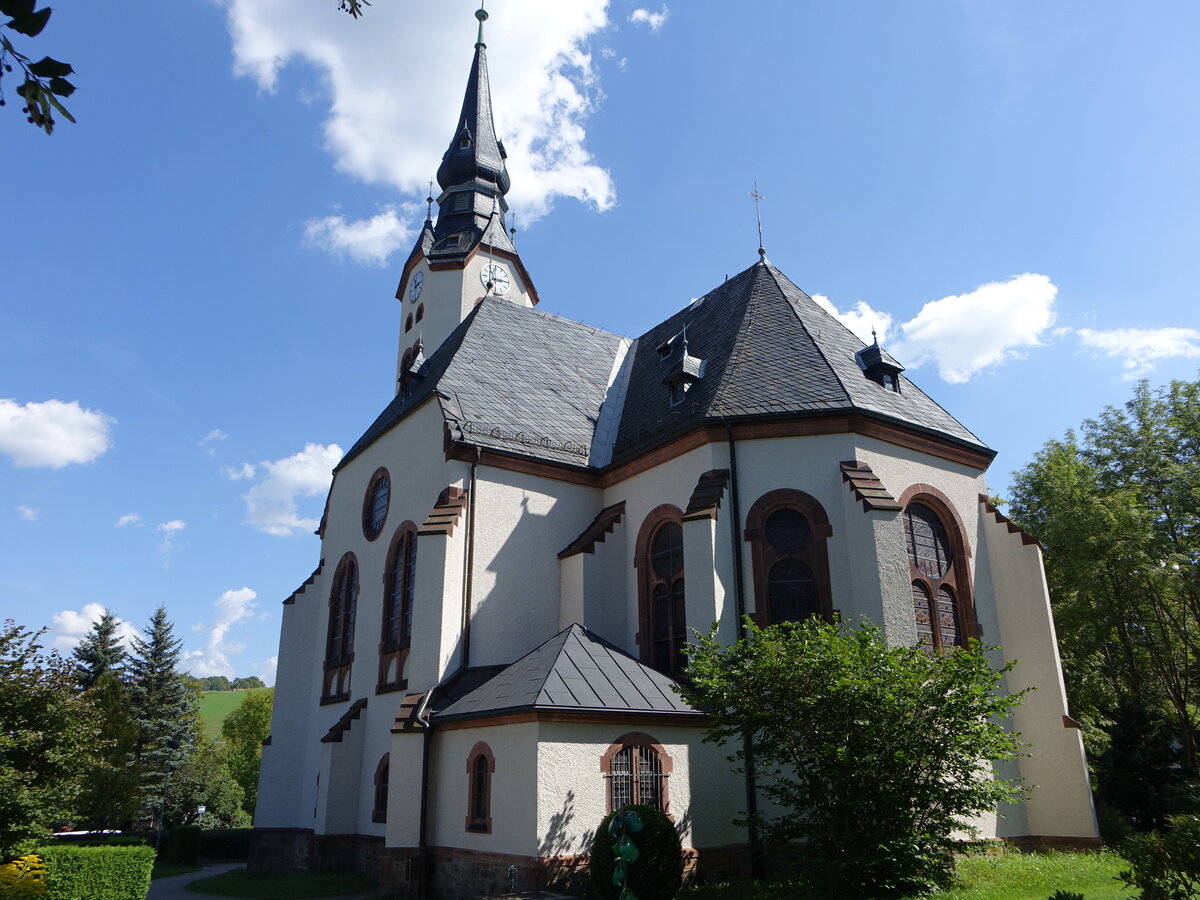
[(420, 311), (399, 580), (379, 811), (408, 323), (937, 567), (375, 503), (339, 639), (481, 765), (787, 530), (636, 769), (662, 617)]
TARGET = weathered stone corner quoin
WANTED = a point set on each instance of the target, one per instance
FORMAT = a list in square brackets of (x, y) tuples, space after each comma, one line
[(481, 665)]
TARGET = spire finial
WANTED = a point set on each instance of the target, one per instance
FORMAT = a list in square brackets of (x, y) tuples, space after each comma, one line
[(429, 205), (874, 336), (481, 15), (758, 198), (512, 229)]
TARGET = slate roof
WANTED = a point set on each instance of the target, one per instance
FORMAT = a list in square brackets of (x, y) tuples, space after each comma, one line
[(769, 351), (574, 670), (518, 380), (513, 378)]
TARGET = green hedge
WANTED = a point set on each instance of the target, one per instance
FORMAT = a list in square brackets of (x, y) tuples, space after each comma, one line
[(180, 845), (226, 844), (97, 873)]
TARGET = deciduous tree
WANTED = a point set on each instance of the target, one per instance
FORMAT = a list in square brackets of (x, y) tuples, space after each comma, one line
[(872, 756), (244, 730)]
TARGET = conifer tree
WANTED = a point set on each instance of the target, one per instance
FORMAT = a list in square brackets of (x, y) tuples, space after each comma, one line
[(111, 793), (164, 706), (99, 652)]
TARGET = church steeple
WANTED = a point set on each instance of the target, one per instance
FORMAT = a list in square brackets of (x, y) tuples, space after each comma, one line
[(472, 175)]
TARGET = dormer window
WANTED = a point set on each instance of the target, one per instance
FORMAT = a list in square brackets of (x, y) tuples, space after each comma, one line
[(879, 366), (679, 393)]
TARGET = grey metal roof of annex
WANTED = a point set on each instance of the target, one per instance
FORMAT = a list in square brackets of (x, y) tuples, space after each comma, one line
[(575, 670)]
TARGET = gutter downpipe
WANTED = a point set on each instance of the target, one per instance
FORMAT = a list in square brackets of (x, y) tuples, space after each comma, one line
[(422, 714), (757, 869)]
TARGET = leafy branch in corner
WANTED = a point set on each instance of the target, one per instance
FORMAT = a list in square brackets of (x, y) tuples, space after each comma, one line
[(45, 80), (354, 7)]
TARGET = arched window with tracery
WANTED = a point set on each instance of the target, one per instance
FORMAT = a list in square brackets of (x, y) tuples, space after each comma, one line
[(339, 637), (787, 530), (399, 581), (937, 567), (379, 809), (636, 769), (662, 618), (481, 766)]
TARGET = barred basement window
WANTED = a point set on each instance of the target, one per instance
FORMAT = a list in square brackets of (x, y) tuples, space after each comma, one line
[(636, 769)]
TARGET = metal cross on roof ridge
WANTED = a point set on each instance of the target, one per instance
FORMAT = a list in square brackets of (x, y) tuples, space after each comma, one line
[(758, 198)]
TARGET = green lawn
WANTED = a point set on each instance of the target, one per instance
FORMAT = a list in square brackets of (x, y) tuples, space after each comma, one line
[(288, 886), (215, 706), (1005, 876)]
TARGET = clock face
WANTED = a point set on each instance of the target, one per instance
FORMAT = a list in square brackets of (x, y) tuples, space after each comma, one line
[(497, 275), (414, 286)]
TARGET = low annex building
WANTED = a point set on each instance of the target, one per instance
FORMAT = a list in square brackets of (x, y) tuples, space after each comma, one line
[(480, 667)]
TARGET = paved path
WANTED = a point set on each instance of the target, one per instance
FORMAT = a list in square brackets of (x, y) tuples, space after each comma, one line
[(173, 888)]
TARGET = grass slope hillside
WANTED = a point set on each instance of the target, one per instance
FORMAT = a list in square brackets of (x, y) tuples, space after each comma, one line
[(215, 706)]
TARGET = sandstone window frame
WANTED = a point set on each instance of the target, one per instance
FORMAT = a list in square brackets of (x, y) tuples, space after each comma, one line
[(395, 630), (382, 771), (481, 766), (637, 767), (377, 501), (812, 552), (339, 634), (658, 587)]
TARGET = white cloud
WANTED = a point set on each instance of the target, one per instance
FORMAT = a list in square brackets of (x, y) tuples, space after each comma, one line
[(169, 530), (244, 472), (967, 333), (28, 513), (128, 519), (861, 319), (271, 503), (229, 609), (370, 240), (209, 442), (266, 670), (394, 83), (52, 433), (1140, 348), (654, 20), (70, 626)]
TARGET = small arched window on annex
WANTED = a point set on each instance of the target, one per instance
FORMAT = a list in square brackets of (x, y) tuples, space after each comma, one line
[(376, 501), (658, 559), (481, 766), (395, 633), (787, 530), (938, 568), (636, 771), (339, 638), (379, 809)]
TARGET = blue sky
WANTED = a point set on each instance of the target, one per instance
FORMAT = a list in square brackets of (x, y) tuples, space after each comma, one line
[(198, 280)]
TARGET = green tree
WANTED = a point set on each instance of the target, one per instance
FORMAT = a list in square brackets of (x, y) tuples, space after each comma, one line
[(871, 755), (1118, 512), (111, 794), (241, 684), (43, 82), (244, 730), (204, 780), (165, 708), (216, 683), (44, 725), (99, 651)]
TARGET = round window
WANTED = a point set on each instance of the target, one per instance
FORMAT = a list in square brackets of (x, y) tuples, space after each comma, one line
[(375, 503)]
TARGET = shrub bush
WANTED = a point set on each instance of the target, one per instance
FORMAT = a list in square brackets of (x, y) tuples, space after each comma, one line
[(658, 872), (225, 844), (181, 845), (97, 873), (1165, 865), (23, 878)]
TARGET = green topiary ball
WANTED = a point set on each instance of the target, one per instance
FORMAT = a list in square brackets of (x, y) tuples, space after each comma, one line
[(658, 872)]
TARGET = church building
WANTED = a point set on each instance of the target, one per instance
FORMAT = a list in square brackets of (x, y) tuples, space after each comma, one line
[(513, 553)]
